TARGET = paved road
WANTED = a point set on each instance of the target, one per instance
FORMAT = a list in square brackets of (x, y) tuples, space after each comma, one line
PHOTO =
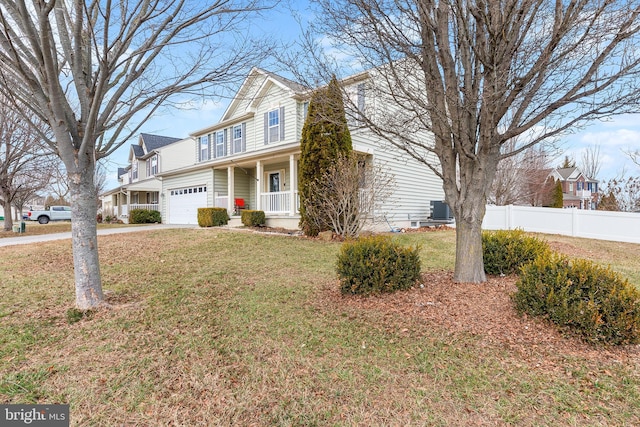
[(25, 240)]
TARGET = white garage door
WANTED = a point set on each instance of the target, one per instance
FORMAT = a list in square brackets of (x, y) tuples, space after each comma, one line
[(184, 204)]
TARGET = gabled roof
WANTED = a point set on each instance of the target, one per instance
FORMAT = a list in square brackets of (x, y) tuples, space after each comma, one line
[(153, 142), (248, 91), (290, 84), (137, 150), (569, 173), (147, 143)]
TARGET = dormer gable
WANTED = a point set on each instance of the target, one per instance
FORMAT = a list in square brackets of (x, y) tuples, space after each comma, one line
[(147, 144), (253, 90)]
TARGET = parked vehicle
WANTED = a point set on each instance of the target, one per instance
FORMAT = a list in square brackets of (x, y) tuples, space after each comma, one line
[(54, 213)]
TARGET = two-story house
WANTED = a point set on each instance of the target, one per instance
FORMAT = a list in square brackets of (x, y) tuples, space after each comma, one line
[(250, 158), (578, 190), (139, 186)]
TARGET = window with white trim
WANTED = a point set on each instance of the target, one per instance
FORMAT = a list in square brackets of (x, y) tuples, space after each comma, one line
[(220, 143), (238, 137), (204, 148), (152, 166), (274, 125), (134, 169)]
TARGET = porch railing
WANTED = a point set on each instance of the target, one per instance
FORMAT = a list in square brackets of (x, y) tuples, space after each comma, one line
[(146, 206), (278, 202), (221, 201), (271, 203), (124, 209)]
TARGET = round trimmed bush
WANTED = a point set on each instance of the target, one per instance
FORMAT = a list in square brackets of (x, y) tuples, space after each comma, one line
[(591, 301), (505, 251), (376, 264)]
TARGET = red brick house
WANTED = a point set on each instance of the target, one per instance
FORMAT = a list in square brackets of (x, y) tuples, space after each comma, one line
[(578, 190)]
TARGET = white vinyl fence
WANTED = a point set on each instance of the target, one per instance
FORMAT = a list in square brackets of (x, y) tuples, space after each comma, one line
[(602, 225)]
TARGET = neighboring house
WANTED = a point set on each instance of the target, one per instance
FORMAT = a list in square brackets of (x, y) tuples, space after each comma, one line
[(578, 190), (140, 187), (250, 158)]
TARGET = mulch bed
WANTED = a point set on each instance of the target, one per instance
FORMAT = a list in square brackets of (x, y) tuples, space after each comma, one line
[(484, 311)]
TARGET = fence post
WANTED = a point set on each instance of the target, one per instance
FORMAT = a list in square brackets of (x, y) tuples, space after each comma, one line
[(509, 215), (574, 222)]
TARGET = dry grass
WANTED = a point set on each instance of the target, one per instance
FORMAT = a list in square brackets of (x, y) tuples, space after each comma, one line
[(32, 228), (209, 327)]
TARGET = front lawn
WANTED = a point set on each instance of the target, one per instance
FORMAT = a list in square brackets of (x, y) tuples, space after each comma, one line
[(215, 327), (33, 228)]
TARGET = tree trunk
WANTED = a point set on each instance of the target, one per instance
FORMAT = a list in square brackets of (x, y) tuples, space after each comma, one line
[(469, 260), (84, 238), (469, 205), (8, 219)]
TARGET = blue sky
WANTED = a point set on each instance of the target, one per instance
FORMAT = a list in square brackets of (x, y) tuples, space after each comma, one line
[(614, 136)]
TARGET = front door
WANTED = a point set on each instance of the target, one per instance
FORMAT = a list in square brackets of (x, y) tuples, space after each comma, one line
[(274, 182), (274, 202)]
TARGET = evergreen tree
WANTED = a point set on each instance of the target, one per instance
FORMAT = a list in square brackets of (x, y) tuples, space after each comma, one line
[(568, 163), (325, 136), (557, 196)]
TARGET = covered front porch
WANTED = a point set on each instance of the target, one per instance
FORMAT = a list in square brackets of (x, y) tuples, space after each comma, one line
[(268, 185), (120, 203)]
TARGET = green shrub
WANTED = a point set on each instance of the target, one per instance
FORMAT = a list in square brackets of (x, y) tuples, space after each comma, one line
[(377, 264), (252, 218), (505, 251), (144, 216), (212, 217), (591, 301)]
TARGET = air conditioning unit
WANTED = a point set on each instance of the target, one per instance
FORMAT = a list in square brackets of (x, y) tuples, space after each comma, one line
[(440, 211)]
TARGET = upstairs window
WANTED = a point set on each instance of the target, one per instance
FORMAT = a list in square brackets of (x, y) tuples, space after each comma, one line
[(134, 169), (152, 166), (274, 125), (204, 148), (239, 144), (221, 143), (360, 98)]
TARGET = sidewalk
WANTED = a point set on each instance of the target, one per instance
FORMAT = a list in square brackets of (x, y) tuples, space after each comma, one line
[(26, 240)]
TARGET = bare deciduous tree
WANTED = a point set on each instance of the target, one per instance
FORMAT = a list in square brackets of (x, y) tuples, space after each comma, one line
[(96, 70), (25, 161), (521, 179), (590, 161), (622, 194), (350, 194), (476, 74)]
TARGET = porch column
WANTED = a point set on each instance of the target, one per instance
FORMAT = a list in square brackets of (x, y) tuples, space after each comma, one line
[(230, 189), (128, 204), (293, 186), (259, 170)]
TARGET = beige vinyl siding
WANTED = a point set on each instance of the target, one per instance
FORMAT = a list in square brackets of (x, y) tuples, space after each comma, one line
[(204, 177), (244, 186), (300, 117), (220, 182), (415, 184), (176, 155), (275, 97), (246, 99)]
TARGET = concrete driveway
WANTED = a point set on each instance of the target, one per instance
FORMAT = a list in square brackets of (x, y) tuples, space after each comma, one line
[(26, 240)]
